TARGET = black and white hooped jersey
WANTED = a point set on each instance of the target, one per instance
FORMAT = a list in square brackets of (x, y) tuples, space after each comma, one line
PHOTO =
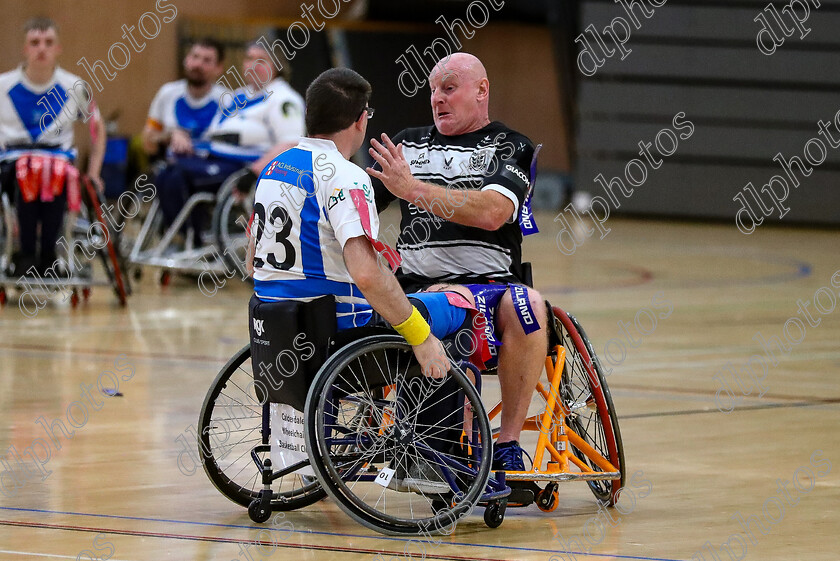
[(493, 158)]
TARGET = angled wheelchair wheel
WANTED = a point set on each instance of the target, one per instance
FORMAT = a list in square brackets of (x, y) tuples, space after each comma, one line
[(7, 226), (111, 259), (585, 394), (230, 436), (400, 453), (230, 221)]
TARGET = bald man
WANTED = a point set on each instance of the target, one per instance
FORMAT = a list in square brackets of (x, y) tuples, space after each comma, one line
[(462, 184)]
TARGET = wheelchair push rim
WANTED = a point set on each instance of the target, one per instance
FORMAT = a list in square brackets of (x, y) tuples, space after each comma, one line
[(377, 379)]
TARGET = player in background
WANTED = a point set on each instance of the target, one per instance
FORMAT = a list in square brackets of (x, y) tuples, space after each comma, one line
[(180, 114), (259, 120), (39, 101), (182, 110)]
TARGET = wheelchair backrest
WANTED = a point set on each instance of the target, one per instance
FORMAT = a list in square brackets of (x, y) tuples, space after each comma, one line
[(289, 343)]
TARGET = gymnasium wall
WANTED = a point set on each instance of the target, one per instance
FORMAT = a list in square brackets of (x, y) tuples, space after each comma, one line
[(519, 58), (701, 58)]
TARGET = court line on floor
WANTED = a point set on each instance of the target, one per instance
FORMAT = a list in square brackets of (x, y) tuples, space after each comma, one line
[(711, 396), (112, 353), (290, 545), (800, 269), (744, 408), (52, 555)]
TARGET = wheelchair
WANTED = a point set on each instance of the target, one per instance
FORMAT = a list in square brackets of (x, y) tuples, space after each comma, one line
[(87, 233), (363, 424), (220, 250)]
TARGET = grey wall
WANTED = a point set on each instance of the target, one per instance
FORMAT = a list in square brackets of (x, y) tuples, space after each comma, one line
[(701, 58)]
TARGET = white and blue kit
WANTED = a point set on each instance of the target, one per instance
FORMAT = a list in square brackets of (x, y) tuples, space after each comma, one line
[(246, 127), (40, 113), (303, 216), (37, 152), (174, 108)]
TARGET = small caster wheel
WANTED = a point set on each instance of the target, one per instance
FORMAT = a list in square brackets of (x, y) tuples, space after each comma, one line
[(74, 298), (85, 294), (2, 296), (259, 512), (494, 514), (549, 498), (165, 278)]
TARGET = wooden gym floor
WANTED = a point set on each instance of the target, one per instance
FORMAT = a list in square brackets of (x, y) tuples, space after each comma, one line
[(701, 455)]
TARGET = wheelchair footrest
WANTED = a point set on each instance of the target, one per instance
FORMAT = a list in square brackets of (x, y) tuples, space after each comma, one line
[(563, 476)]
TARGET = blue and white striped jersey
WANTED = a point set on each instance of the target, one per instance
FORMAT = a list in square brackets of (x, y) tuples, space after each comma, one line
[(44, 113), (303, 216)]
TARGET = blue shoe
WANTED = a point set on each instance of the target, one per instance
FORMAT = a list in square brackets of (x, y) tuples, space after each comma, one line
[(507, 456)]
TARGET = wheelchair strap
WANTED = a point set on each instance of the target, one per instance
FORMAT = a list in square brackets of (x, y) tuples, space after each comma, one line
[(523, 308), (44, 176), (526, 216), (389, 253)]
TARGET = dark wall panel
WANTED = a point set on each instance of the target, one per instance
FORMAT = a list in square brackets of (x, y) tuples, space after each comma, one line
[(736, 104), (704, 191), (700, 58)]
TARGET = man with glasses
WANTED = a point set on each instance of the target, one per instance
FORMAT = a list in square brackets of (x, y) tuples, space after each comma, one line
[(314, 234)]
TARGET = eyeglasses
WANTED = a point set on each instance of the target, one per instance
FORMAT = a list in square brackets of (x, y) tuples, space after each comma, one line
[(369, 111)]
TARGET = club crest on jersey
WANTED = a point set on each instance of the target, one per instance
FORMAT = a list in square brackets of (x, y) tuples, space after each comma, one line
[(336, 197), (421, 160), (258, 327), (479, 160)]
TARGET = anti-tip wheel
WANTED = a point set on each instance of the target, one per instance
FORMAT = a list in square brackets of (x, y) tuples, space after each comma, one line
[(494, 513), (259, 513), (548, 499)]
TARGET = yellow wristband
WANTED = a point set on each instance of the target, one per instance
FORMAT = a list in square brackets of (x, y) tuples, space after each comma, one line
[(415, 329)]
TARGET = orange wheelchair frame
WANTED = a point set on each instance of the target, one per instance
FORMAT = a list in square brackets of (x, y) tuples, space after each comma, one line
[(559, 447)]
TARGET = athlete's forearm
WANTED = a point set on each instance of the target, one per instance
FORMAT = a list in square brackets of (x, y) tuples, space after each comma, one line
[(379, 287), (488, 210)]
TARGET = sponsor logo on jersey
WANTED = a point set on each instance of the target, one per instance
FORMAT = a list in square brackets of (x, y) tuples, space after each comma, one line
[(368, 191), (518, 173), (448, 163), (525, 219), (421, 160), (258, 327), (336, 197)]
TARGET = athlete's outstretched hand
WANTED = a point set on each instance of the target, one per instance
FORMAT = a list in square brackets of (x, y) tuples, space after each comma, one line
[(395, 173), (432, 358)]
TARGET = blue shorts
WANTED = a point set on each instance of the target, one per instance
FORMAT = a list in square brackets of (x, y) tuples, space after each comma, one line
[(444, 318)]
